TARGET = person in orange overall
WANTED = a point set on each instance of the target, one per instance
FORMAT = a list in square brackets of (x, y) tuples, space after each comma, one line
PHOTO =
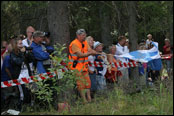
[(79, 52)]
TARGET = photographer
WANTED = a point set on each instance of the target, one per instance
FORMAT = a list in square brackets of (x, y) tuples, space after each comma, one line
[(20, 59), (47, 47), (27, 43), (41, 52)]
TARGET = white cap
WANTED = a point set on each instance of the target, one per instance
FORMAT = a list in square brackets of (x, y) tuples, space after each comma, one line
[(97, 43)]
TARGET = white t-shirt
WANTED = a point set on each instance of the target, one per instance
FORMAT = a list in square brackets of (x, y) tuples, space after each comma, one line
[(120, 51), (24, 71), (148, 42), (25, 43), (91, 59)]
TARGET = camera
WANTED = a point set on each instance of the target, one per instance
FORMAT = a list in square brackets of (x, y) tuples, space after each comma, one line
[(29, 48), (47, 34), (50, 51), (75, 63)]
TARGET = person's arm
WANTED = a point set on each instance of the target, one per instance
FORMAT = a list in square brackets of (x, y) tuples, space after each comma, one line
[(50, 49), (17, 60), (79, 54), (8, 73), (40, 55), (90, 71)]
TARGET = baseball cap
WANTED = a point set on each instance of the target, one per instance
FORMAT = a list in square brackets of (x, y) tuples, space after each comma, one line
[(97, 43), (38, 34), (80, 31)]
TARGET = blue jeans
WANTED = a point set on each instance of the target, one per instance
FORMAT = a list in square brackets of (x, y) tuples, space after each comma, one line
[(168, 62), (93, 82), (101, 82)]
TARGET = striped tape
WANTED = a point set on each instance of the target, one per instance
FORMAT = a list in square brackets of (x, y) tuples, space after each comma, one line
[(47, 75)]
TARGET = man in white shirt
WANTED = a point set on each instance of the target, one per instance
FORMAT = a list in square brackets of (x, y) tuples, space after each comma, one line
[(28, 41), (149, 40), (122, 49)]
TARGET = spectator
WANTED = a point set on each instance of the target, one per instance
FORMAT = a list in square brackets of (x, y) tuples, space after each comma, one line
[(4, 46), (7, 69), (149, 40), (40, 52), (79, 52), (92, 69), (122, 49), (6, 75), (111, 73), (19, 60), (46, 46), (127, 44), (154, 67), (22, 36), (142, 67), (167, 51), (101, 71), (28, 41)]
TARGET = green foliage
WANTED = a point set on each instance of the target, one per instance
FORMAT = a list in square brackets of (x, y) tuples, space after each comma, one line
[(17, 15), (155, 17), (115, 102), (62, 82)]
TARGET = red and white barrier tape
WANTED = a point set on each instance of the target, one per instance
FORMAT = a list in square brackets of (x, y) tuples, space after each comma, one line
[(166, 57), (117, 65), (43, 76)]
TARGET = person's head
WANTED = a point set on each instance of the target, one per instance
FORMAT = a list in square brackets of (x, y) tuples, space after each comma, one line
[(4, 44), (143, 41), (38, 37), (22, 36), (98, 46), (122, 40), (112, 49), (127, 42), (167, 41), (142, 46), (17, 45), (149, 36), (12, 38), (90, 41), (29, 31), (81, 35)]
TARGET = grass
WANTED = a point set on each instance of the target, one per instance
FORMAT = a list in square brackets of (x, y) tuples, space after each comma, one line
[(116, 102)]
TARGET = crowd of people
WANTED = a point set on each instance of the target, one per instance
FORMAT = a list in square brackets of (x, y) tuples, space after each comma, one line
[(25, 56)]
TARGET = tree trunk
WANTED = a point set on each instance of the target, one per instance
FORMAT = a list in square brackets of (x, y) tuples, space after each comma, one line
[(58, 22), (133, 37), (105, 28)]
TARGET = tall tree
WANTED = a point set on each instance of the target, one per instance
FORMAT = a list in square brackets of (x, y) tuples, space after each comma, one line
[(133, 35), (105, 26), (58, 22)]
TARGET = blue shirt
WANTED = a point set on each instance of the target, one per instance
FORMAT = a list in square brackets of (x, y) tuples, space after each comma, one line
[(6, 64), (140, 69), (99, 60), (155, 64), (40, 56)]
